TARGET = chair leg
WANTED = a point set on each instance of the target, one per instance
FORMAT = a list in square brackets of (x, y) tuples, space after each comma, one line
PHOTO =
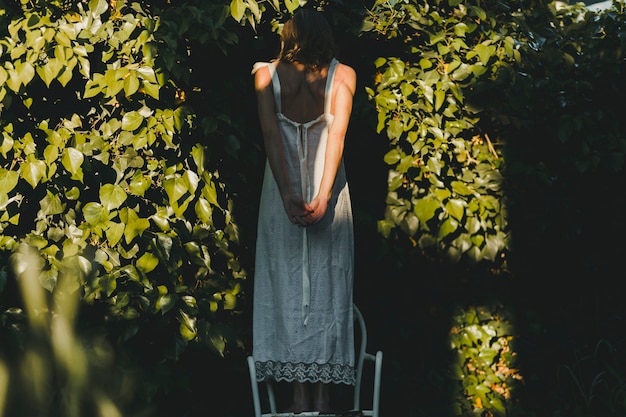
[(270, 396), (377, 382), (255, 387)]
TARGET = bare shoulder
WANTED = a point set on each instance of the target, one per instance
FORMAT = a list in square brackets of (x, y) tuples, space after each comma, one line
[(262, 75), (346, 75)]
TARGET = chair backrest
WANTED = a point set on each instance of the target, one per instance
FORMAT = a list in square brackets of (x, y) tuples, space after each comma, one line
[(361, 348), (362, 357)]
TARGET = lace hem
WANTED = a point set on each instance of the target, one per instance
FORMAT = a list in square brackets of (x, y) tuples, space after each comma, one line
[(305, 372)]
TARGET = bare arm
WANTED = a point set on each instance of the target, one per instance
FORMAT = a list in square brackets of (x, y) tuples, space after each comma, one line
[(293, 203), (345, 80)]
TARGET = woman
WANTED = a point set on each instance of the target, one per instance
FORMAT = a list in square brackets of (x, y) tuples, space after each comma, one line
[(302, 309)]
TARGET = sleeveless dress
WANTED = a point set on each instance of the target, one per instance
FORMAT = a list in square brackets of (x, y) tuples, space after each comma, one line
[(302, 306)]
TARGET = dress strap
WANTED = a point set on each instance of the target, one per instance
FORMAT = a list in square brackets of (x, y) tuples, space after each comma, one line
[(276, 86), (271, 66), (329, 85)]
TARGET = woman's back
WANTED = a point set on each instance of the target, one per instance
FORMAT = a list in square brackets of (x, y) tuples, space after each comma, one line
[(302, 91)]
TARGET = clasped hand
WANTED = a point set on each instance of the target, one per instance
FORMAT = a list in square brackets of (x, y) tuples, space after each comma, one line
[(302, 213)]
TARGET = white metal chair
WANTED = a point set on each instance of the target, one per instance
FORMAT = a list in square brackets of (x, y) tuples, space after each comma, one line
[(362, 358)]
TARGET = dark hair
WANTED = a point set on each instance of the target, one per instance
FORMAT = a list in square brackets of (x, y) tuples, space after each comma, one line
[(308, 39)]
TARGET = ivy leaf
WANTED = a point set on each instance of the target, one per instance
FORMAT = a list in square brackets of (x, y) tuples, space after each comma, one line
[(131, 84), (198, 157), (139, 184), (455, 207), (410, 224), (97, 7), (7, 144), (188, 329), (66, 76), (3, 75), (72, 161), (209, 191), (33, 171), (217, 340), (147, 74), (166, 302), (131, 121), (393, 156), (26, 72), (151, 89), (112, 196), (135, 226), (237, 9), (204, 211), (51, 204), (8, 180), (51, 153), (485, 52), (175, 188), (448, 226), (13, 82), (95, 214), (147, 262), (50, 71), (425, 208), (92, 88), (440, 96), (114, 232)]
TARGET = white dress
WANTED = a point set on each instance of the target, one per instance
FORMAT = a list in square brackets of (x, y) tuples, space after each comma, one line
[(302, 304)]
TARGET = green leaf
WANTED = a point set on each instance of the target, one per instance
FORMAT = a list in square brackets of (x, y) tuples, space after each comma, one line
[(13, 82), (393, 156), (209, 191), (139, 184), (425, 208), (456, 208), (3, 75), (51, 204), (217, 340), (50, 71), (26, 72), (95, 214), (112, 196), (33, 171), (131, 121), (72, 161), (131, 84), (292, 5), (66, 75), (448, 226), (151, 89), (166, 302), (188, 328), (114, 232), (147, 262), (135, 226), (478, 12), (204, 211), (176, 188), (97, 7), (114, 82), (85, 67), (8, 180), (440, 96), (7, 144), (92, 88), (147, 74), (485, 52), (198, 157), (410, 224), (237, 9)]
